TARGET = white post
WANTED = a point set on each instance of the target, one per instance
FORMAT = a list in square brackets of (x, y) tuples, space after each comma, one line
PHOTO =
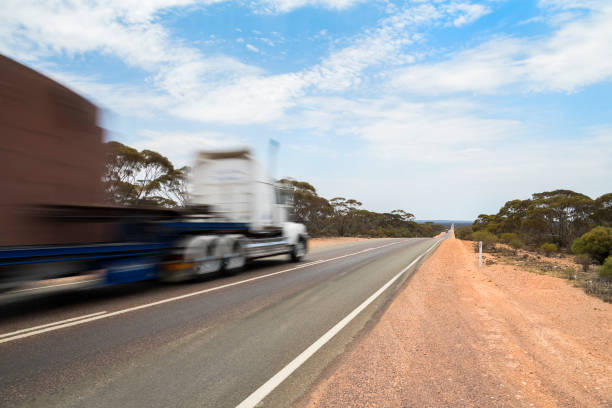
[(479, 253)]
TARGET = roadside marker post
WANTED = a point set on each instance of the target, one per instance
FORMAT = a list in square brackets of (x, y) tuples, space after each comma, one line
[(479, 254)]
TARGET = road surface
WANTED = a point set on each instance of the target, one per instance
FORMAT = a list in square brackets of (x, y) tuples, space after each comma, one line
[(202, 344)]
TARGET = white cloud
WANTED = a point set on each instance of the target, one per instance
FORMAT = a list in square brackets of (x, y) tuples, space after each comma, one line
[(576, 55), (31, 30), (255, 99), (394, 129), (483, 69), (267, 41), (124, 98), (383, 46), (437, 137), (259, 98), (180, 147), (126, 29), (536, 19), (467, 13), (285, 6), (193, 78), (199, 87), (572, 4)]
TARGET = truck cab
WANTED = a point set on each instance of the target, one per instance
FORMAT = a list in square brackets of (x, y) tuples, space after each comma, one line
[(231, 188)]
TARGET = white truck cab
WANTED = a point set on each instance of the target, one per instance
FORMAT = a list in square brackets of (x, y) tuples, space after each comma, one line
[(235, 190)]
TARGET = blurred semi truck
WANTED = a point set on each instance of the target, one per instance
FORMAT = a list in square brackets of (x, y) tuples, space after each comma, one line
[(55, 223)]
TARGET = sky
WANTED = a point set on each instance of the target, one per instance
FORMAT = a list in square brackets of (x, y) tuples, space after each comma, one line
[(444, 108)]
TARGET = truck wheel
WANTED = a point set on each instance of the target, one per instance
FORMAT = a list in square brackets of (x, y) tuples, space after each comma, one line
[(299, 250), (210, 249), (199, 255), (237, 259)]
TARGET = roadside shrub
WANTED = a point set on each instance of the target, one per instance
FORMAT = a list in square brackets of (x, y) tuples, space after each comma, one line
[(597, 243), (507, 237), (464, 233), (548, 248), (488, 239), (584, 260), (570, 273), (516, 243), (606, 269)]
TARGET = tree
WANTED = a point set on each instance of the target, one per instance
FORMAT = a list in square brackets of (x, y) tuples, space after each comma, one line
[(603, 210), (606, 268), (597, 243), (142, 178), (403, 215), (482, 222), (506, 237), (154, 172), (174, 185), (534, 227), (464, 233), (567, 214), (558, 217), (548, 248), (516, 243), (344, 213), (584, 260), (123, 164), (310, 209), (488, 239), (511, 215)]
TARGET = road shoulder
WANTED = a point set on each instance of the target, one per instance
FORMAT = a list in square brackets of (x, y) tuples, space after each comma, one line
[(459, 335)]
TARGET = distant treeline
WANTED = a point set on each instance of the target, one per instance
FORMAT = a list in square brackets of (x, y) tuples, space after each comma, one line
[(549, 221), (344, 217)]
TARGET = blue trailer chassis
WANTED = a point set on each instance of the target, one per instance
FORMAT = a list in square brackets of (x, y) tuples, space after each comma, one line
[(122, 261)]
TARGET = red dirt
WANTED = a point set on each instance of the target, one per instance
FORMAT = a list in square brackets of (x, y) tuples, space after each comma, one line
[(459, 335)]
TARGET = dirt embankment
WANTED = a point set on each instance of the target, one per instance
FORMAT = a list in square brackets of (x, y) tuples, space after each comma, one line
[(459, 335)]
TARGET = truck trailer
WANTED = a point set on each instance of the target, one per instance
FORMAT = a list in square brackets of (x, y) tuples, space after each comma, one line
[(54, 221)]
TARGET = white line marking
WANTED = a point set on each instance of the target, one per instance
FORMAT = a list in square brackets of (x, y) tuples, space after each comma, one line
[(57, 326), (259, 394), (51, 324)]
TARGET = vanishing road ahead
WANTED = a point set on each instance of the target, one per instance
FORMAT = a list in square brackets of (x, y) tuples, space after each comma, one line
[(204, 344)]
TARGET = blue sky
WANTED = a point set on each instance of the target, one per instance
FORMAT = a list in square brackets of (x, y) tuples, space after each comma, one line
[(444, 108)]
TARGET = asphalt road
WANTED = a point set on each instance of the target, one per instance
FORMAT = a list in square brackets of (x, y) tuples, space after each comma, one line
[(201, 344)]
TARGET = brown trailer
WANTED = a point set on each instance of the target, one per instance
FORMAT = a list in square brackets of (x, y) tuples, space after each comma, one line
[(51, 152)]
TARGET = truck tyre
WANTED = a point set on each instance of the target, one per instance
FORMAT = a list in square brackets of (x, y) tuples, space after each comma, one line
[(235, 254), (299, 250), (200, 255), (209, 248)]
